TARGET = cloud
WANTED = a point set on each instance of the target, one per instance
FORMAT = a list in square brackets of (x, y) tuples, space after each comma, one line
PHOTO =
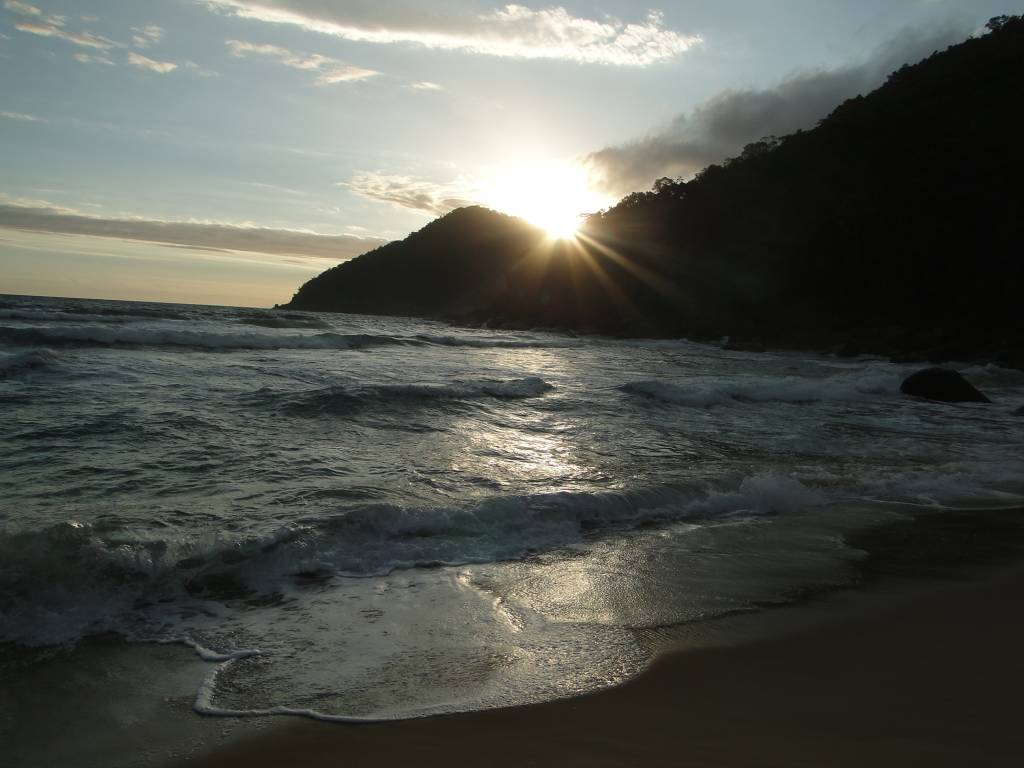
[(143, 62), (406, 192), (199, 70), (35, 22), (143, 37), (512, 31), (88, 58), (40, 216), (424, 85), (328, 71), (22, 117), (23, 9), (721, 126), (50, 29)]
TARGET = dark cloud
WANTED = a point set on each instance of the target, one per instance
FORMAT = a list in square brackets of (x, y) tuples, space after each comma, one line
[(216, 236), (723, 125)]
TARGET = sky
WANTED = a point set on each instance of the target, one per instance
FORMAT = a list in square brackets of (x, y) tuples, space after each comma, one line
[(225, 151)]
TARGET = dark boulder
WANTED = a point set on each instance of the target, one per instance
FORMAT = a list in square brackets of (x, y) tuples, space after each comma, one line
[(943, 385)]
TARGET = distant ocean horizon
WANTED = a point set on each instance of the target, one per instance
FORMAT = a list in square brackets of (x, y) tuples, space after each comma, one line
[(367, 518)]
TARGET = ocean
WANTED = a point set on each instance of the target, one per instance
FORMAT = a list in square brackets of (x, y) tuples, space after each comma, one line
[(369, 518)]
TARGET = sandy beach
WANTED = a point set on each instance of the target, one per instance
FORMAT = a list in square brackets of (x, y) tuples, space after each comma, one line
[(919, 664), (893, 675)]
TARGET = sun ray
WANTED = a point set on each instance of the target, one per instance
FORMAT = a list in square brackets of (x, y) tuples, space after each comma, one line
[(659, 283)]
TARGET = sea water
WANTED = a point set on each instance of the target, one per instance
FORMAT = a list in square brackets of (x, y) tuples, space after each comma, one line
[(363, 518)]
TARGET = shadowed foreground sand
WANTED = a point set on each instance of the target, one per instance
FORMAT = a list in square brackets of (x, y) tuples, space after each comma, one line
[(929, 680)]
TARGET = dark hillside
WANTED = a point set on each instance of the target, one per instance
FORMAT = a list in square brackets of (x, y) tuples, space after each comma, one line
[(895, 225), (452, 265)]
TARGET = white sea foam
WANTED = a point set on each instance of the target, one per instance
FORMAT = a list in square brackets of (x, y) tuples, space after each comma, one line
[(204, 705), (701, 393), (762, 494), (80, 580)]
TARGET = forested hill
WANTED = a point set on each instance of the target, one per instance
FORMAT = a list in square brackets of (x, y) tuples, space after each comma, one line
[(894, 225), (453, 265)]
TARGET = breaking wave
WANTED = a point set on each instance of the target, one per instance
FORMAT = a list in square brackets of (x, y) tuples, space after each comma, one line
[(100, 336), (14, 363), (77, 313), (129, 336), (794, 389), (484, 343), (74, 579), (345, 399), (268, 320), (42, 316), (142, 312)]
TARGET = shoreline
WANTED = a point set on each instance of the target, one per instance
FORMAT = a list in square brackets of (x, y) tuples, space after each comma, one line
[(927, 631), (916, 664)]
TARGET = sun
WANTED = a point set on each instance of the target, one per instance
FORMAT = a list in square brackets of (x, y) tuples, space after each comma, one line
[(551, 196)]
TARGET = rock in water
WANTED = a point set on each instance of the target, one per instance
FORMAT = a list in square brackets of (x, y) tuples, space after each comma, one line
[(943, 385)]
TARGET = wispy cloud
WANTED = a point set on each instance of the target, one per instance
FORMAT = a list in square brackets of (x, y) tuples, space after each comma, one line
[(425, 85), (277, 188), (199, 70), (22, 117), (83, 39), (89, 58), (144, 62), (328, 70), (41, 216), (36, 22), (23, 9), (723, 125), (512, 31), (406, 192), (143, 37)]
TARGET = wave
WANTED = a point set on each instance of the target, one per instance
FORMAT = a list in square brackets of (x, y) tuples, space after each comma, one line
[(100, 336), (149, 313), (485, 343), (128, 336), (346, 399), (69, 580), (18, 362), (43, 316), (268, 320), (789, 389), (81, 313)]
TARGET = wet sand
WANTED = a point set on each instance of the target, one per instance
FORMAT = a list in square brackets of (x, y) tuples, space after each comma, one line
[(896, 674)]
